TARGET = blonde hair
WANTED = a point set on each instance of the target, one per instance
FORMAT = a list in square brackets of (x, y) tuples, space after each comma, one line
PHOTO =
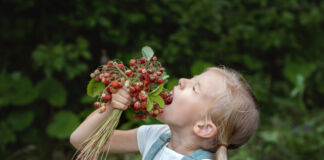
[(235, 113)]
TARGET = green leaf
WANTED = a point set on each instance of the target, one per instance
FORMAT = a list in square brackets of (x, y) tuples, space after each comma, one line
[(20, 120), (293, 68), (171, 83), (94, 88), (24, 89), (270, 136), (199, 66), (64, 123), (6, 135), (87, 99), (149, 103), (147, 52), (157, 90), (165, 76), (53, 91), (158, 99)]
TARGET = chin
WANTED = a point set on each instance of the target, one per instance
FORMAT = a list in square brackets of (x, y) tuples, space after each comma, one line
[(166, 115)]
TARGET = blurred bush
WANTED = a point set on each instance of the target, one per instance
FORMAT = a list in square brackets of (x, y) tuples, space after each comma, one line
[(48, 48)]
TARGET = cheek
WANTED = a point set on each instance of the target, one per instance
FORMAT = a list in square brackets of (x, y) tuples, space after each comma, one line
[(185, 108)]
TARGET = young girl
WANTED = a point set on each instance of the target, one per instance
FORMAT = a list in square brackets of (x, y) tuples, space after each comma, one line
[(210, 113)]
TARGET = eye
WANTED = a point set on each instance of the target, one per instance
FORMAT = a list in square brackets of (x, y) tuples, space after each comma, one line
[(194, 89)]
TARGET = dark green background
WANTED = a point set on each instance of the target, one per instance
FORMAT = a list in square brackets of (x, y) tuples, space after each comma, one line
[(49, 48)]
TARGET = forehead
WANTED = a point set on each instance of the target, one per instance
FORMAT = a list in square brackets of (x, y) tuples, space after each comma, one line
[(211, 83)]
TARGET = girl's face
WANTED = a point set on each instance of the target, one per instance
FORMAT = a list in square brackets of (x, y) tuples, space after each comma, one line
[(191, 99)]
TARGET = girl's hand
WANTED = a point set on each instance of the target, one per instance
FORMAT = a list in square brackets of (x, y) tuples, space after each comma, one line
[(121, 99)]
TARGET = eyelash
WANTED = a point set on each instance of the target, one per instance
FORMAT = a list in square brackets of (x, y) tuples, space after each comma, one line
[(194, 89)]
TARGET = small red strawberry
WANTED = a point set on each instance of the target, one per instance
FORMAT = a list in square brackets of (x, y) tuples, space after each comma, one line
[(154, 58), (161, 70), (147, 76), (144, 104), (96, 104), (158, 73), (106, 81), (128, 73), (120, 66), (106, 75), (97, 71), (160, 111), (132, 89), (120, 85), (163, 95), (137, 105), (115, 84), (146, 82), (169, 99), (108, 90), (103, 109), (132, 62), (142, 60), (142, 96), (108, 97), (135, 94), (141, 77), (110, 63), (160, 81), (139, 70)]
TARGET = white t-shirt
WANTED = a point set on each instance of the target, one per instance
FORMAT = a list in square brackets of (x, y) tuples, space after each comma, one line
[(146, 137)]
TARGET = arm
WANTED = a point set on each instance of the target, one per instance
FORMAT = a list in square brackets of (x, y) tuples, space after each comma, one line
[(121, 141)]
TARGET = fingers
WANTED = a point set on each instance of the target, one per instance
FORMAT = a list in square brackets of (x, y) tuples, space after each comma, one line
[(121, 99), (123, 92), (118, 105)]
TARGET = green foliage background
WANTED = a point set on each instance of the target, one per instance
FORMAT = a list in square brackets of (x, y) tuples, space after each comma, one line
[(49, 48)]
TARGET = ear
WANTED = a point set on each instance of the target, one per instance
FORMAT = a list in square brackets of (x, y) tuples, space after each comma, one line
[(205, 130)]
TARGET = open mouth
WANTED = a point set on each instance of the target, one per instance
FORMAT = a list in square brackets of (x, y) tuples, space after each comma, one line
[(172, 94)]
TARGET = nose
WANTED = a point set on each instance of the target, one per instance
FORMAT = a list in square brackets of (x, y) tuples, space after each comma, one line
[(182, 83)]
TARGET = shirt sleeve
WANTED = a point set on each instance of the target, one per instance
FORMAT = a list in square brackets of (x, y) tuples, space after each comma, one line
[(148, 134)]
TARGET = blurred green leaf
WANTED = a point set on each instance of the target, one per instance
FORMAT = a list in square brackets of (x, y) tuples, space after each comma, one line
[(87, 99), (147, 52), (292, 69), (199, 66), (158, 100), (23, 91), (63, 124), (171, 83), (149, 104), (53, 91), (16, 89), (157, 90), (20, 120), (270, 136), (94, 88), (6, 135)]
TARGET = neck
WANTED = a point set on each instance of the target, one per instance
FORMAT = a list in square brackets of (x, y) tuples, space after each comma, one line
[(182, 140)]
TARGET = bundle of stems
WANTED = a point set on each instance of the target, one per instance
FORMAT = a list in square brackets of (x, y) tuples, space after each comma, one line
[(99, 142)]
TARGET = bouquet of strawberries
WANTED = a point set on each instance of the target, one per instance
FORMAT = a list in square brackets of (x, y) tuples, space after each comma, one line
[(144, 80)]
